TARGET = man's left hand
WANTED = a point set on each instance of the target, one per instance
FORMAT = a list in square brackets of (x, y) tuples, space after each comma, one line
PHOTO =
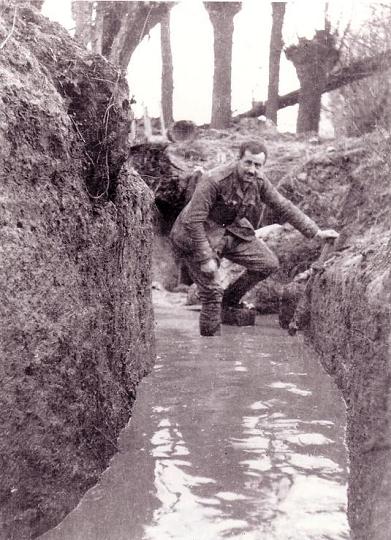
[(327, 234)]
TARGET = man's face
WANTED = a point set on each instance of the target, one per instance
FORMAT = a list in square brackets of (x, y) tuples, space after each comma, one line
[(250, 165)]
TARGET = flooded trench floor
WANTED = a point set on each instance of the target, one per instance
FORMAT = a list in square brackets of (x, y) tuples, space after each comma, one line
[(238, 436)]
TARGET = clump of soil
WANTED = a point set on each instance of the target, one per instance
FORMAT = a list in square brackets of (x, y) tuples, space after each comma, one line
[(76, 234)]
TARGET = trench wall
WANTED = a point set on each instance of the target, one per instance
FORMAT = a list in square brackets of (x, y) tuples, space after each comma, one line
[(351, 329), (75, 225)]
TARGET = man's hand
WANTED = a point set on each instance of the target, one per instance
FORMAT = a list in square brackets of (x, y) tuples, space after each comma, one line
[(327, 234), (209, 267)]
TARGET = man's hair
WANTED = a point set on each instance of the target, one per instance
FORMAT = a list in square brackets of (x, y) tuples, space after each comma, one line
[(254, 147)]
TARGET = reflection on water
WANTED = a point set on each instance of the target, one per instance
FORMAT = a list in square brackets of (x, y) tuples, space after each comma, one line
[(289, 387), (235, 437)]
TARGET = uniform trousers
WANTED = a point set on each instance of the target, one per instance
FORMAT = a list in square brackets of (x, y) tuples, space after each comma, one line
[(253, 254)]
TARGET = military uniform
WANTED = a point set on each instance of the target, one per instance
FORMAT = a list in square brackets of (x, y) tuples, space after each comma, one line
[(220, 220)]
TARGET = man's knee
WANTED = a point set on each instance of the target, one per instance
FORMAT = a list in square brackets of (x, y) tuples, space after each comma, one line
[(266, 267)]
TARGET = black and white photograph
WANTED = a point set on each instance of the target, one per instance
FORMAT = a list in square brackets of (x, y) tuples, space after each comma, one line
[(195, 270)]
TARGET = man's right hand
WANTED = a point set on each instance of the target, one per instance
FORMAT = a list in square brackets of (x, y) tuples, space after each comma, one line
[(209, 267), (327, 234)]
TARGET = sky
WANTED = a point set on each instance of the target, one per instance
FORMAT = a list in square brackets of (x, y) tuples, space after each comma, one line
[(192, 49)]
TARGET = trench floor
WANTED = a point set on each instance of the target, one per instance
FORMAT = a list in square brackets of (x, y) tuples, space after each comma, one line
[(237, 437)]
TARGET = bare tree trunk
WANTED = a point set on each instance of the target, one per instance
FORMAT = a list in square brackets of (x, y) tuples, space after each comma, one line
[(97, 29), (82, 15), (167, 70), (114, 18), (274, 60), (137, 20), (122, 19), (221, 15), (313, 60), (118, 27)]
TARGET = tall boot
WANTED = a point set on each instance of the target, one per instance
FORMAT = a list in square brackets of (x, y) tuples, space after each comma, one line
[(210, 319), (236, 290)]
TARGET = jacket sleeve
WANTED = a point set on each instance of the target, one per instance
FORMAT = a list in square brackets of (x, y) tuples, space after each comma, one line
[(287, 211), (197, 213)]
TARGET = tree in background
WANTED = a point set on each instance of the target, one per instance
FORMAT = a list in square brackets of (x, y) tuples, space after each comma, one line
[(167, 69), (115, 28), (82, 15), (313, 59), (221, 15), (278, 13), (366, 104)]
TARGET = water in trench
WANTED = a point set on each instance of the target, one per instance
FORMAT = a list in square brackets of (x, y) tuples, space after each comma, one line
[(237, 437)]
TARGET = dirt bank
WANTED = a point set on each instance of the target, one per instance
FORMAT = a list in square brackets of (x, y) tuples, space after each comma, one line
[(350, 328), (76, 330)]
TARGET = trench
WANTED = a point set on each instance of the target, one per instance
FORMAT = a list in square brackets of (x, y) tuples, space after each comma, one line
[(240, 436)]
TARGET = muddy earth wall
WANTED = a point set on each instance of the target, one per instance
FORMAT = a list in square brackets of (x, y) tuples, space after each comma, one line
[(350, 328), (75, 224)]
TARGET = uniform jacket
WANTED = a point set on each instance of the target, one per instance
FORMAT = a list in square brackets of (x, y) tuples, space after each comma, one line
[(223, 202)]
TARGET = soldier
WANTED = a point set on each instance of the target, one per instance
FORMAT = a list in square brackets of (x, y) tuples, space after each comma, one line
[(220, 221)]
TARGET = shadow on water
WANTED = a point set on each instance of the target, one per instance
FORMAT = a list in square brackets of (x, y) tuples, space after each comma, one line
[(239, 436)]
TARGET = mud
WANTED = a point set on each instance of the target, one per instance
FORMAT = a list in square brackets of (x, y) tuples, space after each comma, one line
[(77, 325)]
